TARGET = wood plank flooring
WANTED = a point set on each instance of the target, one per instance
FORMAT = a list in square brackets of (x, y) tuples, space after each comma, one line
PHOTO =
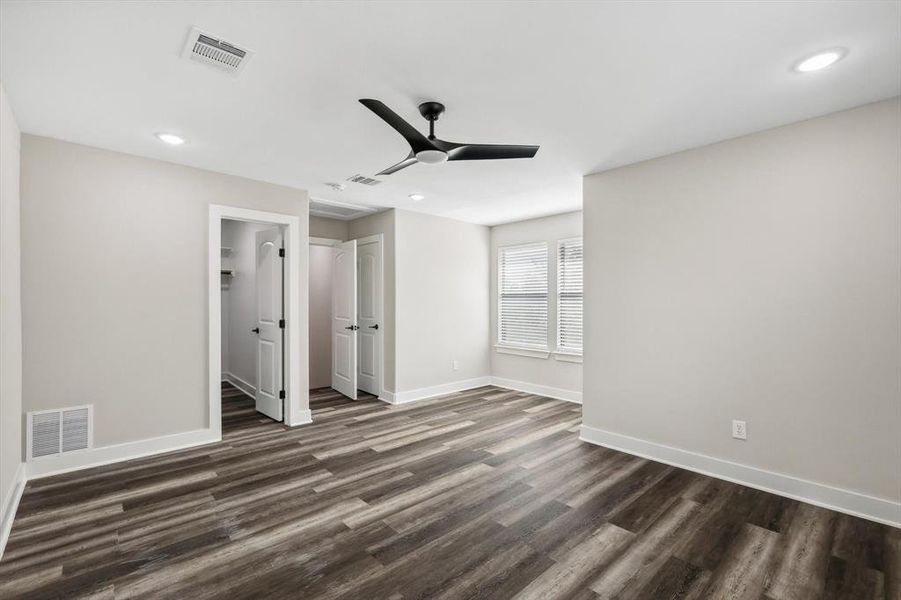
[(481, 494)]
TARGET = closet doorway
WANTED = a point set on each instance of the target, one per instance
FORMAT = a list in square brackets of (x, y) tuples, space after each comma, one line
[(346, 311), (264, 365), (253, 322)]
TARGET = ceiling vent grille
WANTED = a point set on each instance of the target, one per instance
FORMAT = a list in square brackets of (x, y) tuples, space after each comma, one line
[(58, 431), (364, 180), (209, 50)]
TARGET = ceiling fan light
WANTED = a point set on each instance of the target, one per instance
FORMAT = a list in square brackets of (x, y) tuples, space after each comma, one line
[(431, 157)]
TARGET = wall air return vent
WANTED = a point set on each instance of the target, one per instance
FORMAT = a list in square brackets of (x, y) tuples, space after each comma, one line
[(364, 180), (215, 52), (58, 431)]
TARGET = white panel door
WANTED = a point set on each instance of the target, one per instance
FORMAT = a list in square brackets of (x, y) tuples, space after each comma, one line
[(344, 319), (270, 311), (369, 312)]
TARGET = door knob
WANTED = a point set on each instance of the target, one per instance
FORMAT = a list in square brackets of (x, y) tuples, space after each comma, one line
[(376, 326), (255, 330), (352, 327)]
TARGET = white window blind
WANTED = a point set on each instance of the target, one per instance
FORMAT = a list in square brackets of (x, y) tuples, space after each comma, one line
[(522, 291), (569, 295)]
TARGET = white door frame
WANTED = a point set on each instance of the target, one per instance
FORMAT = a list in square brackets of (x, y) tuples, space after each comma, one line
[(318, 241), (378, 237), (297, 405)]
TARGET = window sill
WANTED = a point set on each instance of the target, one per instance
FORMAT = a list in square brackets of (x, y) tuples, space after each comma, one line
[(520, 351), (565, 356)]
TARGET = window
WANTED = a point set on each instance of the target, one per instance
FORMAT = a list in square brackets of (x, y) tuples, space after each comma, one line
[(522, 296), (569, 296)]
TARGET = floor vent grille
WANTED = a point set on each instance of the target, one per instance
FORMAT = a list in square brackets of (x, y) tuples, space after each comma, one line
[(58, 431)]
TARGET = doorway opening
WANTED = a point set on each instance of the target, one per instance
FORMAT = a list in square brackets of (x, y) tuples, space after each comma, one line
[(346, 316), (253, 314), (255, 305)]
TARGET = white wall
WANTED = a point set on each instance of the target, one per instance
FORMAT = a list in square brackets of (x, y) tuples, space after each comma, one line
[(564, 377), (384, 223), (320, 316), (442, 273), (10, 311), (240, 236), (755, 279), (114, 284), (333, 229)]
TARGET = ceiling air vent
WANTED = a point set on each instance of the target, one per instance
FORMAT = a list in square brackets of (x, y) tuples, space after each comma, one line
[(364, 180), (210, 50), (58, 431)]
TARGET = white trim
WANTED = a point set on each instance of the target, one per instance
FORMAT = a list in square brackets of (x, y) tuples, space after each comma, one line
[(241, 384), (104, 455), (369, 239), (522, 351), (303, 417), (438, 390), (540, 390), (818, 494), (568, 356), (11, 505), (387, 396), (298, 395), (318, 241)]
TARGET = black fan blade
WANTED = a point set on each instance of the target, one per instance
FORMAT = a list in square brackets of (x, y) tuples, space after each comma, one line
[(417, 141), (490, 151), (410, 160)]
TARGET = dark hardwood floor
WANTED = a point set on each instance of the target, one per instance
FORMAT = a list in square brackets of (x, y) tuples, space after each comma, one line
[(482, 494)]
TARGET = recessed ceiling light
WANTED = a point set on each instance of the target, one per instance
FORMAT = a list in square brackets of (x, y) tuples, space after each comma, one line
[(171, 138), (417, 197), (820, 60)]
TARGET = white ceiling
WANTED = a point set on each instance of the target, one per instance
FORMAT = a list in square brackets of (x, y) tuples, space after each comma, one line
[(597, 85)]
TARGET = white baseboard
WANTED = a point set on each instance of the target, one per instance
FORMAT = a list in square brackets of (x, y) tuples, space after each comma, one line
[(10, 505), (387, 396), (437, 390), (105, 455), (239, 383), (845, 501), (540, 390), (305, 417)]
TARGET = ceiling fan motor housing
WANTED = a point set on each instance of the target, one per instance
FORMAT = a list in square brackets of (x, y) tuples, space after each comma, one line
[(431, 110)]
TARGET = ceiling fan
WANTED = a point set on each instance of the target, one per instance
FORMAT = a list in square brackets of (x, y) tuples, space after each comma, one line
[(430, 150)]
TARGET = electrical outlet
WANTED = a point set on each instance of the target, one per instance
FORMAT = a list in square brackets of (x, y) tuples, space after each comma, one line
[(739, 430), (456, 365)]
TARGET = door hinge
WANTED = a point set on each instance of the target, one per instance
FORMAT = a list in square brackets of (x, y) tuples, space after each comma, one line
[(281, 253), (281, 323), (281, 394)]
